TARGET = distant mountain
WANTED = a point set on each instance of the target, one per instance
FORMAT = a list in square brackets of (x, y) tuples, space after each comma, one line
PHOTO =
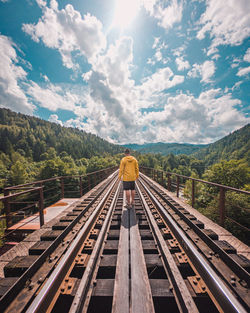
[(234, 146), (166, 148), (31, 137)]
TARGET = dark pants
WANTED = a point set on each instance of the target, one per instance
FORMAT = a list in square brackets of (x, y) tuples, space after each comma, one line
[(129, 185)]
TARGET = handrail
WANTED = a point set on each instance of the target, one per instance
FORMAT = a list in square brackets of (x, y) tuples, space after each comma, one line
[(12, 192), (222, 189), (199, 180), (57, 177)]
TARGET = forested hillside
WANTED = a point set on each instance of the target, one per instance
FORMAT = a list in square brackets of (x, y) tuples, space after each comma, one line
[(32, 149), (166, 148), (32, 137), (235, 146)]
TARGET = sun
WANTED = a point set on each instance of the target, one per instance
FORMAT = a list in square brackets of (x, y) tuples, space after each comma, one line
[(125, 12)]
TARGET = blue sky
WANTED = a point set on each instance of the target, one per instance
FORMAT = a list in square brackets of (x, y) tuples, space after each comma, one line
[(129, 71)]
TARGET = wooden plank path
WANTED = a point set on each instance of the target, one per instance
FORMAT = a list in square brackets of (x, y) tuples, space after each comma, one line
[(141, 296), (121, 286)]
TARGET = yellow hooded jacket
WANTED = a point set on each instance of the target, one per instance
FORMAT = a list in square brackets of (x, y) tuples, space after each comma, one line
[(129, 168)]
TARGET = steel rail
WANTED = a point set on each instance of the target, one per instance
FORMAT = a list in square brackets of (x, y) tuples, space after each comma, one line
[(42, 300), (234, 266), (217, 287), (184, 299), (80, 296), (12, 292)]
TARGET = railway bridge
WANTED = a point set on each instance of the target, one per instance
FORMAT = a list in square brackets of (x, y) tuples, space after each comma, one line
[(95, 255)]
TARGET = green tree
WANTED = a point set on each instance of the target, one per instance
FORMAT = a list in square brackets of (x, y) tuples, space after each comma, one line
[(17, 174), (234, 173)]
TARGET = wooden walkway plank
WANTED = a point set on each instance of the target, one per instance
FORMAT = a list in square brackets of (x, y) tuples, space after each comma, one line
[(141, 296), (121, 286)]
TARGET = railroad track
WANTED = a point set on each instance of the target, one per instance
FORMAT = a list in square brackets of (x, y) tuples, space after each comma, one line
[(154, 258)]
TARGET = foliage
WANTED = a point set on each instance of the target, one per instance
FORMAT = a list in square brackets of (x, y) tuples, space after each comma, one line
[(32, 149), (166, 148), (35, 138), (235, 146), (234, 173)]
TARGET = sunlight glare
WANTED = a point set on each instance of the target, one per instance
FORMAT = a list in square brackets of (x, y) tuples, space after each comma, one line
[(125, 12)]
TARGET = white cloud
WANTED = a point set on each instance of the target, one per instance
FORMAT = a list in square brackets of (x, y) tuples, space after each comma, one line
[(54, 119), (116, 63), (237, 85), (53, 97), (236, 62), (215, 57), (159, 81), (205, 70), (243, 71), (160, 50), (41, 3), (247, 56), (181, 64), (208, 69), (45, 77), (67, 31), (156, 42), (228, 23), (12, 76), (112, 108), (185, 118), (167, 16)]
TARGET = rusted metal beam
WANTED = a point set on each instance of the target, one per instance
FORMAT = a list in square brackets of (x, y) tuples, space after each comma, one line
[(222, 205), (178, 186), (193, 193), (41, 206), (169, 181), (62, 187)]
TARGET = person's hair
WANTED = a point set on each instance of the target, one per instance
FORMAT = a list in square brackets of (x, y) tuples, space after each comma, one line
[(127, 151)]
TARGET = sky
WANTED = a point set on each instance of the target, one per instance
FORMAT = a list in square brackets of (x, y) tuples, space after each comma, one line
[(129, 71)]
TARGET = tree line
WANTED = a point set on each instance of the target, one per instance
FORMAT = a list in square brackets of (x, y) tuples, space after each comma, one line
[(32, 149)]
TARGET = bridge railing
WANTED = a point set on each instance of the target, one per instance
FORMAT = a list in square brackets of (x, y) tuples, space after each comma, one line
[(176, 183), (23, 201)]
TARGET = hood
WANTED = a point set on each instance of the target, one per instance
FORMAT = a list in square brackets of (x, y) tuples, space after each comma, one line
[(129, 158)]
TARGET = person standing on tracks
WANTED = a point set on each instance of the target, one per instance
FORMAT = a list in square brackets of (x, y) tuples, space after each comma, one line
[(128, 173)]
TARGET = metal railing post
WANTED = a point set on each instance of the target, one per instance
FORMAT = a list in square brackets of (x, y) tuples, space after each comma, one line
[(193, 192), (222, 205), (41, 206), (178, 186), (80, 182), (62, 187), (7, 208), (169, 182), (89, 184)]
